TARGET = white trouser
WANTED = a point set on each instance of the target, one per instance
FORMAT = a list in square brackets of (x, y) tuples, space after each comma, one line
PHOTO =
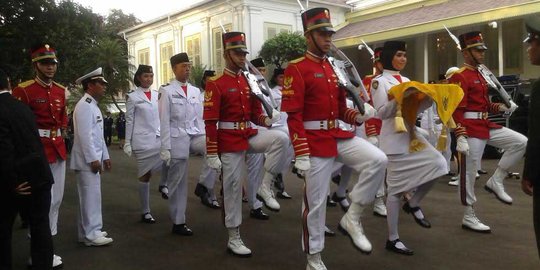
[(255, 173), (368, 164), (90, 221), (178, 183), (58, 170), (272, 143), (512, 142), (286, 165)]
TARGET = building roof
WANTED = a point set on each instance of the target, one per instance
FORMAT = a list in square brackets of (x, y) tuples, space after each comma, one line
[(449, 12)]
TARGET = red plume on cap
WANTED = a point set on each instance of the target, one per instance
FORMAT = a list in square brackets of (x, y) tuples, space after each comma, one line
[(43, 53)]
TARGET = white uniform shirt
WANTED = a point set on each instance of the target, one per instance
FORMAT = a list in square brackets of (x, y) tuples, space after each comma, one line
[(142, 119), (276, 94), (180, 116), (89, 144)]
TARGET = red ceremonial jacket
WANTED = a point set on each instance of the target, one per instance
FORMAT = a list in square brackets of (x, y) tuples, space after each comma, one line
[(372, 125), (311, 93), (48, 103), (227, 98), (475, 99)]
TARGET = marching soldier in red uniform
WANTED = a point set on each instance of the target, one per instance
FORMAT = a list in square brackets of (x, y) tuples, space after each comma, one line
[(474, 130), (47, 100), (229, 109), (314, 103)]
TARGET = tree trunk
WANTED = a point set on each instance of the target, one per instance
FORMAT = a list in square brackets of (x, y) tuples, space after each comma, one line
[(115, 103)]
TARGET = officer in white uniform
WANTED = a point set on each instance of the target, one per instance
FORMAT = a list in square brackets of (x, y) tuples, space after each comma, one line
[(406, 171), (88, 157), (142, 135), (182, 133)]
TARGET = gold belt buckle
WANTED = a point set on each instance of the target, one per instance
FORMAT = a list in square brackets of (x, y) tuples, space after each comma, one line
[(484, 115), (53, 133), (242, 125), (331, 124)]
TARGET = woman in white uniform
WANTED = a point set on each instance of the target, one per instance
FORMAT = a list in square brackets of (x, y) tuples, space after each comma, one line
[(406, 170), (142, 135)]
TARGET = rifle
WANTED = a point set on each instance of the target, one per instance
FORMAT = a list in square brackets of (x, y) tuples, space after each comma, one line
[(488, 76), (348, 77), (253, 83)]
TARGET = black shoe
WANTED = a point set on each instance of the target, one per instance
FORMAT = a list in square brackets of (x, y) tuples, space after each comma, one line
[(339, 200), (283, 195), (336, 179), (330, 202), (201, 190), (164, 195), (258, 214), (482, 172), (411, 210), (181, 229), (149, 219), (391, 245)]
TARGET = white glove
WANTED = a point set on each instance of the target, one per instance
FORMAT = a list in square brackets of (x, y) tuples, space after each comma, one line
[(462, 145), (213, 162), (513, 107), (369, 112), (302, 165), (127, 148), (276, 116), (373, 140), (165, 156)]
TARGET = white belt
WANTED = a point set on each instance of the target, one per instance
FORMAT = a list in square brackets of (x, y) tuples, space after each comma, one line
[(49, 133), (234, 125), (475, 115), (322, 124)]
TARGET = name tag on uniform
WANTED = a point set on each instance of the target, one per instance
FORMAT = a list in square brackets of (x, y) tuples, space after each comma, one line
[(140, 101), (477, 81), (176, 96), (318, 75), (41, 100), (99, 118), (232, 90)]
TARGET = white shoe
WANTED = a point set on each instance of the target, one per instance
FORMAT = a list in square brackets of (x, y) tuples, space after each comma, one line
[(82, 238), (350, 225), (267, 196), (379, 208), (100, 241), (314, 262), (454, 183), (56, 262), (471, 222), (235, 245), (495, 185)]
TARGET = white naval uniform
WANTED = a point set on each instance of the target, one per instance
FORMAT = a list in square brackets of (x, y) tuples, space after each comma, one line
[(405, 171), (142, 130), (89, 145), (282, 126), (182, 133)]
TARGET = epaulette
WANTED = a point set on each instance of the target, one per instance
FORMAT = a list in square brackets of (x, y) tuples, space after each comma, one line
[(167, 84), (59, 85), (213, 78), (378, 76), (89, 100), (26, 83), (461, 69), (297, 60)]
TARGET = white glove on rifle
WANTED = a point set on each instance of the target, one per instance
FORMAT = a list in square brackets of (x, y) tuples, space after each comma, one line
[(213, 162), (369, 112), (504, 108), (302, 165), (127, 148), (276, 116), (165, 156), (374, 140), (462, 145)]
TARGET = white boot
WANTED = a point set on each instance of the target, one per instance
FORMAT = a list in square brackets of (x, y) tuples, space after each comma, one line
[(495, 185), (314, 262), (266, 194), (350, 225), (471, 222), (235, 244), (379, 207)]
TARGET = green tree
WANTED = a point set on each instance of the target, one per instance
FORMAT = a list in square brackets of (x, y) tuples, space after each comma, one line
[(197, 72), (282, 48)]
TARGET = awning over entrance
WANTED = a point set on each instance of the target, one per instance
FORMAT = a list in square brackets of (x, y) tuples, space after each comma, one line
[(430, 18)]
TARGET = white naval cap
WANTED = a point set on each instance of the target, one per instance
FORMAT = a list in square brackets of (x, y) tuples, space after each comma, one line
[(94, 75)]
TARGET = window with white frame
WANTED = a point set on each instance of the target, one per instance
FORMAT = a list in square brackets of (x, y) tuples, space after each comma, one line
[(272, 29), (193, 48), (218, 63), (166, 52), (144, 56)]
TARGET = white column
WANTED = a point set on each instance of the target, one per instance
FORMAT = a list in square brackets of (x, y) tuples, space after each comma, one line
[(426, 59), (181, 39), (256, 35), (157, 65), (501, 48)]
